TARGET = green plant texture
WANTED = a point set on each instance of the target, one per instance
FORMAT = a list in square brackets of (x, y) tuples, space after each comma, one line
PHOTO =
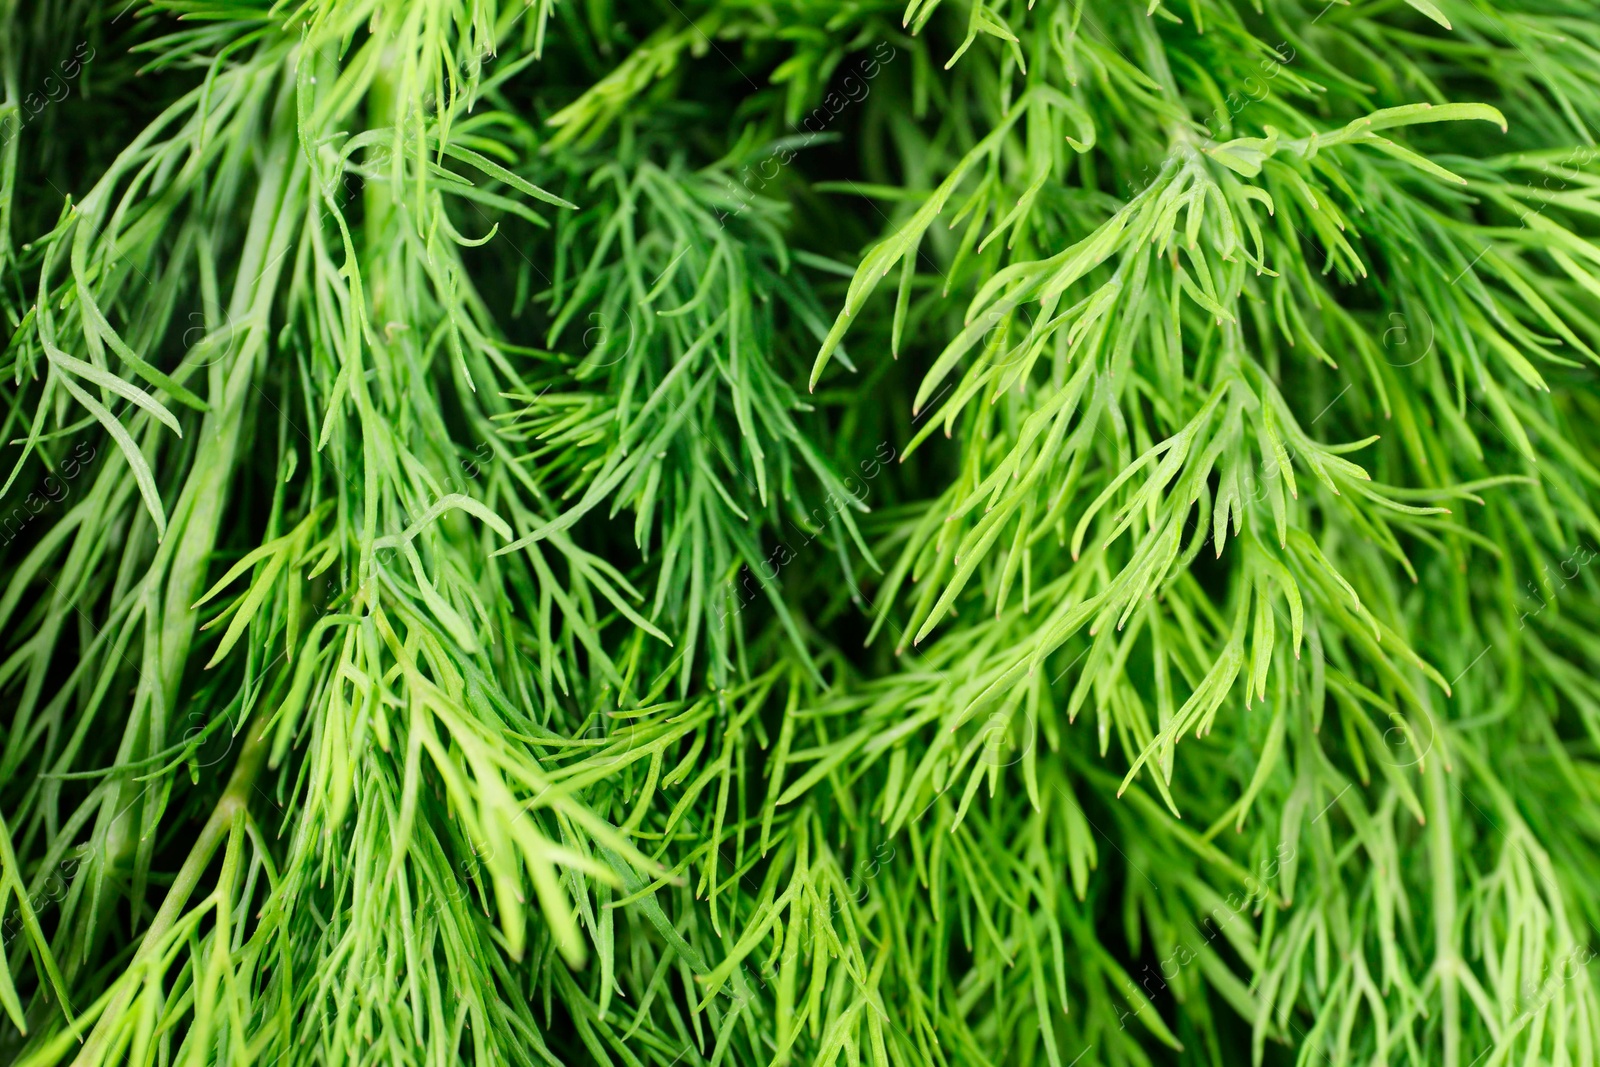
[(800, 533)]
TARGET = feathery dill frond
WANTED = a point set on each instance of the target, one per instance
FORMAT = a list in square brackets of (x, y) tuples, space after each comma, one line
[(556, 534)]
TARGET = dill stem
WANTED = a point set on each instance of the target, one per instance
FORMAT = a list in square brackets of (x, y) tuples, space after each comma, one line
[(234, 802), (1447, 952)]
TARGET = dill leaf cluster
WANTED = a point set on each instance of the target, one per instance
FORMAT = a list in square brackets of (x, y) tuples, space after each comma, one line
[(954, 533)]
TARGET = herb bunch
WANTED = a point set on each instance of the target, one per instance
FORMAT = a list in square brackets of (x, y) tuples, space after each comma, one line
[(776, 533)]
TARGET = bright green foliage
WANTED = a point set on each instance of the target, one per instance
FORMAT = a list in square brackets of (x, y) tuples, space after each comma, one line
[(776, 533)]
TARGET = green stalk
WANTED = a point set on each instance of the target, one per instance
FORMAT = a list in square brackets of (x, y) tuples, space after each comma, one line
[(1441, 856), (232, 805)]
